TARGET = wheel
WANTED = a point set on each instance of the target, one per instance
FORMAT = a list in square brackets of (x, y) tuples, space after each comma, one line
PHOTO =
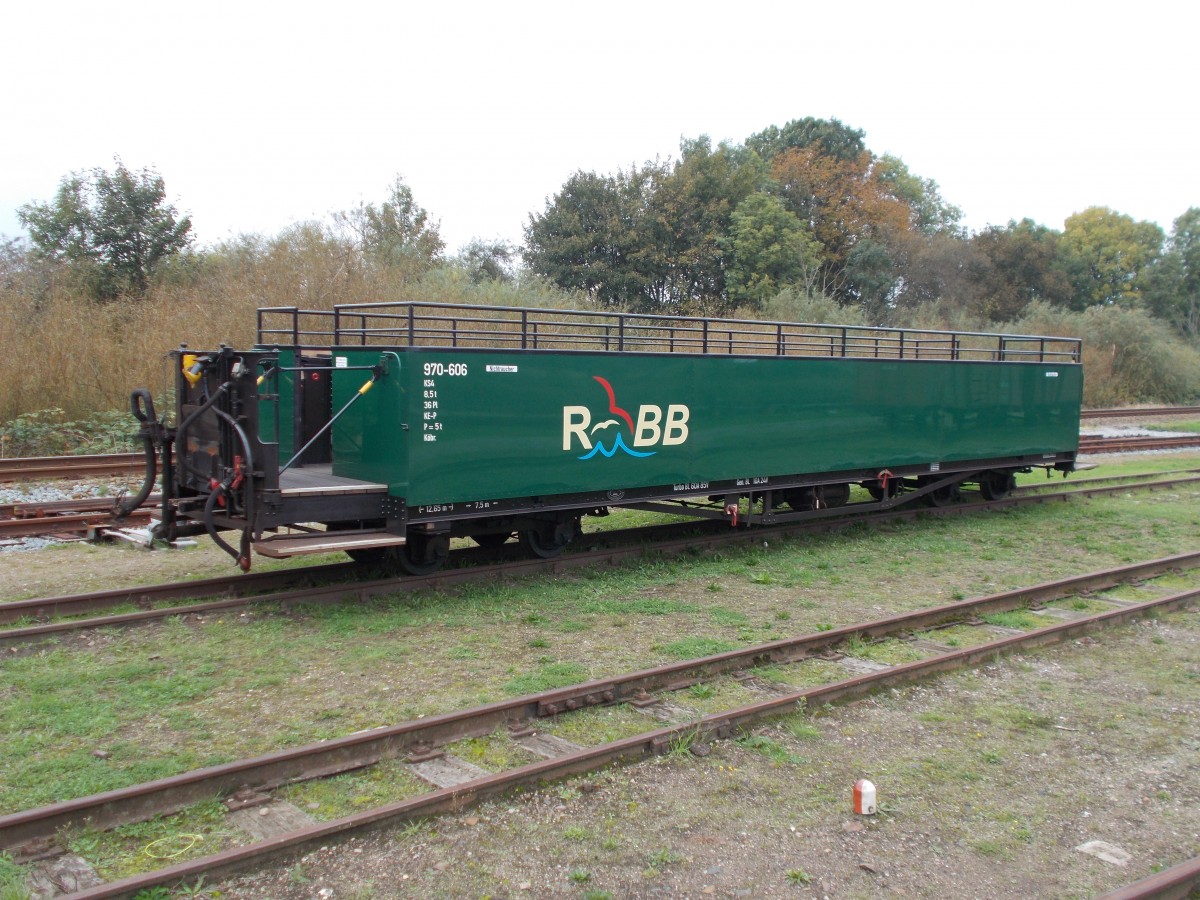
[(421, 555), (800, 499), (550, 539), (996, 485), (944, 496), (491, 541), (835, 494), (876, 489)]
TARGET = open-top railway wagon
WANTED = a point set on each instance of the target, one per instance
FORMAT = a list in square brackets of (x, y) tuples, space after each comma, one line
[(386, 429)]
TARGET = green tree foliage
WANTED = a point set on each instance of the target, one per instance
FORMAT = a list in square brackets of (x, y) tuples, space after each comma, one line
[(1019, 264), (1128, 355), (488, 260), (594, 237), (830, 136), (398, 232), (1104, 253), (116, 227), (769, 249), (929, 213), (1172, 284), (690, 213)]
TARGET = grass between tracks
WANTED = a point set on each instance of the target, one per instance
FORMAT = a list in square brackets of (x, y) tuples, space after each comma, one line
[(121, 707)]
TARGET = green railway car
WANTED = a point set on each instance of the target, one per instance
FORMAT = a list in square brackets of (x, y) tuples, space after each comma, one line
[(387, 429)]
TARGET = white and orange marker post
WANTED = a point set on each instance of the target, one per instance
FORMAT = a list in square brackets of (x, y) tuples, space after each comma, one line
[(864, 797)]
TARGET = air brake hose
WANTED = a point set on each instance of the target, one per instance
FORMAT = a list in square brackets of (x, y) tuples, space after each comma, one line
[(151, 434), (242, 556)]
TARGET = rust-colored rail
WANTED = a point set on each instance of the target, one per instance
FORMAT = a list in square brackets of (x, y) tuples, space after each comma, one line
[(1175, 883), (40, 468), (1133, 413), (1088, 444)]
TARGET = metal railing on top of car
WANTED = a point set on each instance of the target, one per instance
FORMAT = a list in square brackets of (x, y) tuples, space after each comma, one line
[(451, 325)]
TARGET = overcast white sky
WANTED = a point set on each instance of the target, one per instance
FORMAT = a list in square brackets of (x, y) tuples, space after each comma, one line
[(261, 114)]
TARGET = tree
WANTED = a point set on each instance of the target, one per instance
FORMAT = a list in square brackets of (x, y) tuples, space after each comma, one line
[(594, 237), (1104, 253), (1172, 284), (828, 136), (397, 232), (929, 213), (1021, 265), (117, 226), (690, 216), (770, 250), (488, 260), (844, 202)]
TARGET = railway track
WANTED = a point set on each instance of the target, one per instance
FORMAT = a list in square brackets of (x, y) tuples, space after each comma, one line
[(1126, 413), (343, 581), (73, 519), (425, 745), (42, 468), (1093, 445)]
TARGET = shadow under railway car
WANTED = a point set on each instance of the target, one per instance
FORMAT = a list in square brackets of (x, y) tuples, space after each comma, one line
[(384, 430)]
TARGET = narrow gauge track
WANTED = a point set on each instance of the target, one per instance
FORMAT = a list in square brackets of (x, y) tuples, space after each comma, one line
[(1123, 413), (1089, 444), (72, 517), (41, 468), (420, 741), (338, 582)]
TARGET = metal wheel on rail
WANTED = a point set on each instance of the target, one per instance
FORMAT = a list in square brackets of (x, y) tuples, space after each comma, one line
[(820, 497), (421, 555), (996, 485), (945, 496), (492, 541), (881, 489), (550, 539)]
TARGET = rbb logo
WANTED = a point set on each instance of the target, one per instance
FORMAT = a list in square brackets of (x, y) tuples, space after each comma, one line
[(653, 428), (650, 429)]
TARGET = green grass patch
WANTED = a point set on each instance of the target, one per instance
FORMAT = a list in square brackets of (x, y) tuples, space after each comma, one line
[(332, 798), (695, 647), (197, 831), (546, 677)]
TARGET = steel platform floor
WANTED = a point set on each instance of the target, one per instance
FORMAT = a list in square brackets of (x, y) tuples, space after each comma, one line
[(319, 480)]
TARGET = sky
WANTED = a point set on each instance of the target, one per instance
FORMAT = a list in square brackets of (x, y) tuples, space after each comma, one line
[(260, 114)]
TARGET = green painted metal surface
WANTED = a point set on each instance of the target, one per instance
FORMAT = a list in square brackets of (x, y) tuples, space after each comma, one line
[(491, 424), (276, 415)]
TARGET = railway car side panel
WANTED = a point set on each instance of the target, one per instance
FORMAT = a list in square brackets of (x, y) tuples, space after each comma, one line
[(467, 425)]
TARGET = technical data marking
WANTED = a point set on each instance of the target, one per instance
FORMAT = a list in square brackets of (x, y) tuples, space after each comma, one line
[(446, 771), (269, 820)]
